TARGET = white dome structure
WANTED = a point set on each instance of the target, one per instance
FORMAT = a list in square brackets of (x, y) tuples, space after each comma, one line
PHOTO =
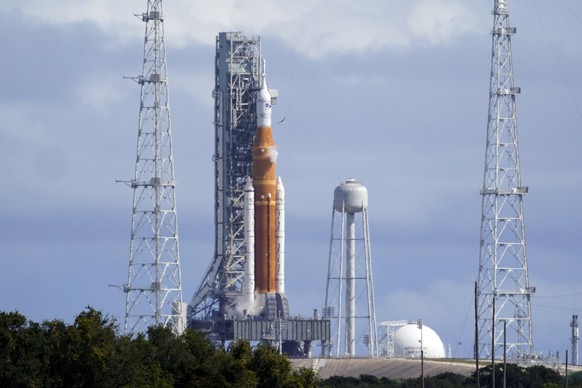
[(407, 342)]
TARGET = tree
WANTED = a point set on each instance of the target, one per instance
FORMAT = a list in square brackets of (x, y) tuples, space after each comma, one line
[(541, 376), (274, 370), (269, 366), (575, 380), (236, 368), (135, 364), (536, 376), (21, 351), (92, 340), (340, 382)]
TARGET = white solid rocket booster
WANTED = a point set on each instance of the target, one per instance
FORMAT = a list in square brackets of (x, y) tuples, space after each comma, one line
[(280, 236), (249, 214)]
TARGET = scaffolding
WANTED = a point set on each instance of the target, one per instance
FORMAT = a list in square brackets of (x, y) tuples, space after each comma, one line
[(238, 76), (386, 331)]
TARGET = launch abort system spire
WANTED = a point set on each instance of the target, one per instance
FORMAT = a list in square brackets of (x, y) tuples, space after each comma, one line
[(154, 286), (503, 291)]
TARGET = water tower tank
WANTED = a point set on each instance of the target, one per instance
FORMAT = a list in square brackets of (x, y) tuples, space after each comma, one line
[(351, 194)]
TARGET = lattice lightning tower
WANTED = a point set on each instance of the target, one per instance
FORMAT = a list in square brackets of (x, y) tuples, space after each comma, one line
[(503, 285), (154, 287)]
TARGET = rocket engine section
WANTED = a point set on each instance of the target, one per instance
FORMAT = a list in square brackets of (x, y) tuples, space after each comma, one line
[(264, 203)]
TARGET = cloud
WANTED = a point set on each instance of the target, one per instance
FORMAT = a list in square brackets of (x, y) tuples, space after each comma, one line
[(194, 84), (27, 152), (441, 21), (315, 29), (112, 17), (101, 92), (18, 124)]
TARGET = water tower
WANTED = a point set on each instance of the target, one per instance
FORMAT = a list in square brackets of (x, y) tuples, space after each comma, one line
[(349, 296)]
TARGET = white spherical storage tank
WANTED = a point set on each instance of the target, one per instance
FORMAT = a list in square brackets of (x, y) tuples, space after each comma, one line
[(407, 342)]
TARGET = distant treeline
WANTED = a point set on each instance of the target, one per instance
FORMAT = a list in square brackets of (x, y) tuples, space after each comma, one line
[(91, 353), (516, 377)]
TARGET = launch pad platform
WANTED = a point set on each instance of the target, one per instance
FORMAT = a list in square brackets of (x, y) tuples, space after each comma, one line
[(294, 336)]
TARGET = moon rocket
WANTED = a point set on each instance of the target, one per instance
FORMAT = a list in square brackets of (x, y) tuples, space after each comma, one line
[(264, 213)]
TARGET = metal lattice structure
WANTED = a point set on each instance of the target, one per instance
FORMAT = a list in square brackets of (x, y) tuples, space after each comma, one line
[(504, 291), (349, 295), (238, 77), (386, 331), (154, 287)]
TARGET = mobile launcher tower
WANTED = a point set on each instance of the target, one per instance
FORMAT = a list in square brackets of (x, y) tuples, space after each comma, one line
[(242, 294)]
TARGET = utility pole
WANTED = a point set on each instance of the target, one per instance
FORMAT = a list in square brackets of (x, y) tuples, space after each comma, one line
[(504, 354), (493, 350), (566, 375), (476, 341), (419, 324), (154, 286), (503, 270), (575, 339)]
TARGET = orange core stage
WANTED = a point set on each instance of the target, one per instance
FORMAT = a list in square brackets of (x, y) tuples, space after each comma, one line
[(265, 185)]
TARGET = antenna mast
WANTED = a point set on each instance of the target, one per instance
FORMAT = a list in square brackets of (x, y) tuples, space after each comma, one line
[(154, 285), (503, 285)]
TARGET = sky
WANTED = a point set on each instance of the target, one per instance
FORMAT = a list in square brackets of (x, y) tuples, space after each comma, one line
[(391, 93)]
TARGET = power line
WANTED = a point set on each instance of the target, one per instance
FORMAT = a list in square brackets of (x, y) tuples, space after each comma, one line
[(554, 54)]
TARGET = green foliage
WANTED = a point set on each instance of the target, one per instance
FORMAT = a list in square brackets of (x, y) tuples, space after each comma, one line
[(543, 377), (275, 370), (575, 379), (21, 358), (90, 353), (341, 382), (269, 367), (533, 377)]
